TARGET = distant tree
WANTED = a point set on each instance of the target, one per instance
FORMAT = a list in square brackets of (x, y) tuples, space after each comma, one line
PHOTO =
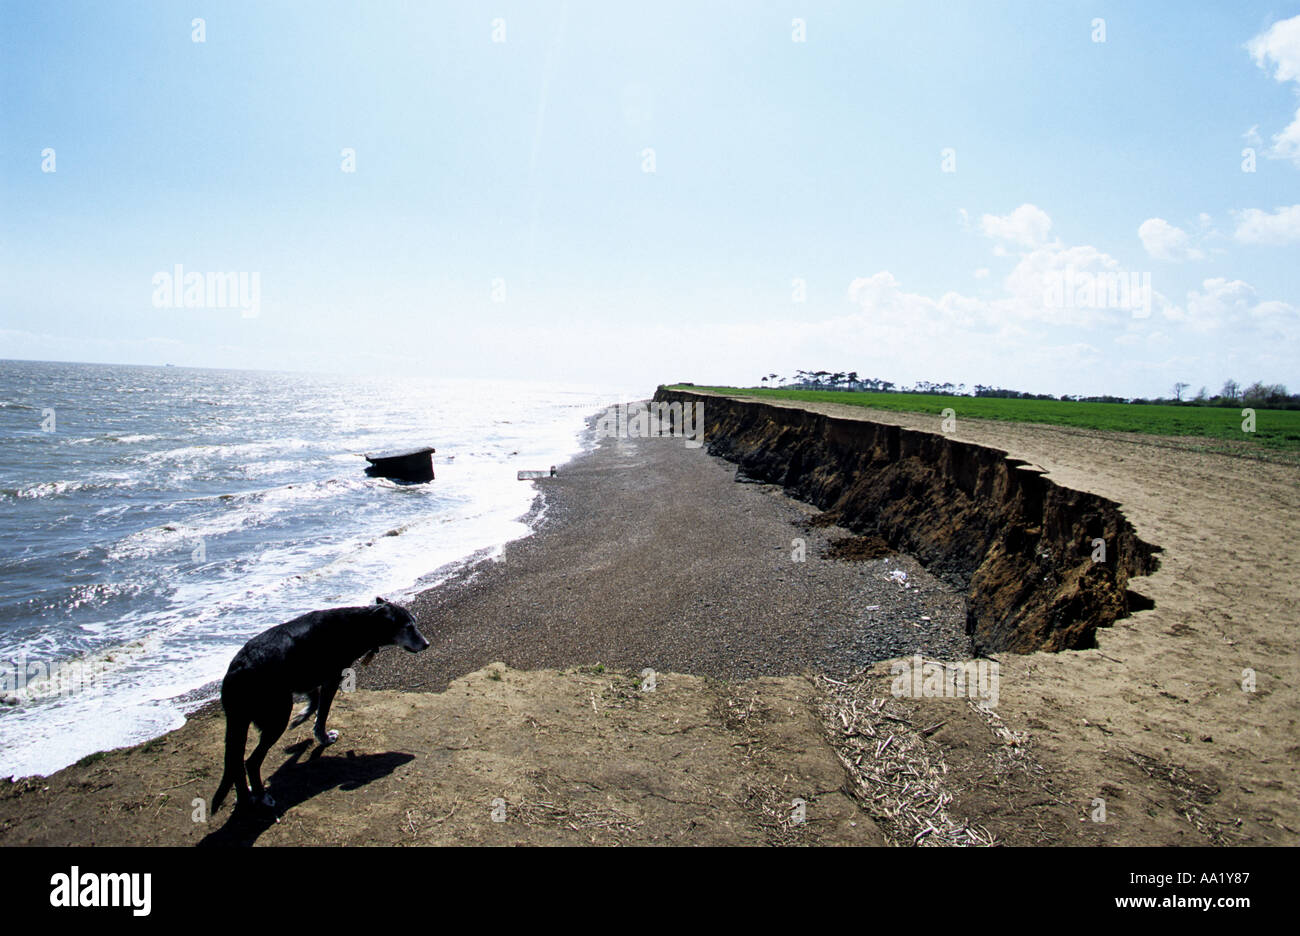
[(1178, 390), (1261, 394), (1231, 390)]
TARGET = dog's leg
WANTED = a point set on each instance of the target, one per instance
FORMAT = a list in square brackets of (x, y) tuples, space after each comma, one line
[(313, 700), (323, 712), (271, 722)]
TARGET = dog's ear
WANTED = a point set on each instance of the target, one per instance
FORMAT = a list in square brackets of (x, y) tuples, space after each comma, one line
[(380, 601)]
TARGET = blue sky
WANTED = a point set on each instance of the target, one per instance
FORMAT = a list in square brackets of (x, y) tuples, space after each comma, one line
[(500, 221)]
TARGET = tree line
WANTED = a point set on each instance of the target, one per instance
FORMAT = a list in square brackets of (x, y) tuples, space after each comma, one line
[(1257, 394)]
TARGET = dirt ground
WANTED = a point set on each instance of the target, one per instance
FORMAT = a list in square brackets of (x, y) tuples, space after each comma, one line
[(577, 757), (1157, 737)]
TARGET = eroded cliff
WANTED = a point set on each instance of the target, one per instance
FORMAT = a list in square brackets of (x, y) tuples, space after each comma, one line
[(1021, 546)]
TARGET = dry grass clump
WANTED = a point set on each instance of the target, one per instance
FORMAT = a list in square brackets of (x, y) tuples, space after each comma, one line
[(782, 825), (1189, 793), (741, 712), (577, 818), (897, 775), (547, 809)]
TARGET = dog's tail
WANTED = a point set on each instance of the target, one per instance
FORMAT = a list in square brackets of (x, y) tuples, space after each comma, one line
[(236, 739)]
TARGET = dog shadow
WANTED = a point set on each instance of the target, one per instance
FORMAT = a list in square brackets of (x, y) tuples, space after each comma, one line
[(296, 781)]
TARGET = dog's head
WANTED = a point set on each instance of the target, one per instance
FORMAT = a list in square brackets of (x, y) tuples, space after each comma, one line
[(404, 632)]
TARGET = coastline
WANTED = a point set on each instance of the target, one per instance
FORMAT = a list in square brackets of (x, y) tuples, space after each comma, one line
[(562, 623), (205, 700), (647, 554)]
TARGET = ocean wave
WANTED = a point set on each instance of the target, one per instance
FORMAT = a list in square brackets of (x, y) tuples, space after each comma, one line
[(238, 511), (232, 450), (87, 593), (33, 678), (46, 489), (175, 537), (133, 439), (101, 482)]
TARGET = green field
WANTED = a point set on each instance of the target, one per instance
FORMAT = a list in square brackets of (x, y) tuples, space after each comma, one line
[(1275, 430)]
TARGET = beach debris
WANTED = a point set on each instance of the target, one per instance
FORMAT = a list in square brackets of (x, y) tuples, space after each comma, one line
[(534, 475), (896, 773), (899, 577), (414, 466)]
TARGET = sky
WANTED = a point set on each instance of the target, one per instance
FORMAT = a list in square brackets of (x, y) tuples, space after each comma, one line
[(615, 193)]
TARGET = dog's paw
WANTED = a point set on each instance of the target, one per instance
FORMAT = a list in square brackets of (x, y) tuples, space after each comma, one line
[(328, 738), (265, 801)]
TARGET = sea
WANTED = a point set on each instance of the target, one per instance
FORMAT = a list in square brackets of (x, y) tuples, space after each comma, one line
[(153, 519)]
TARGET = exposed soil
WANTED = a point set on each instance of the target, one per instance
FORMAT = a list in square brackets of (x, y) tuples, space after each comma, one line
[(578, 757), (858, 548)]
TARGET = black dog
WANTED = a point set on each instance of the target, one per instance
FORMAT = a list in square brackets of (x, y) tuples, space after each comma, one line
[(306, 655)]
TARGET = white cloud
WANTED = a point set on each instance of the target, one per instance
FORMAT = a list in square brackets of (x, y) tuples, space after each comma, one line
[(1027, 226), (1028, 341), (1232, 306), (982, 273), (1166, 241), (1223, 302), (1261, 227), (1279, 46), (1286, 145)]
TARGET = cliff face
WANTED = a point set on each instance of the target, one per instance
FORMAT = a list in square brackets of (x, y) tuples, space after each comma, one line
[(1018, 544)]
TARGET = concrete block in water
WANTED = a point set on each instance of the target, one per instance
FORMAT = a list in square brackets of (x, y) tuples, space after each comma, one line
[(414, 465)]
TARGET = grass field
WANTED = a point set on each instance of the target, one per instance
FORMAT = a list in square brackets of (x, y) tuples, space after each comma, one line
[(1275, 430)]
